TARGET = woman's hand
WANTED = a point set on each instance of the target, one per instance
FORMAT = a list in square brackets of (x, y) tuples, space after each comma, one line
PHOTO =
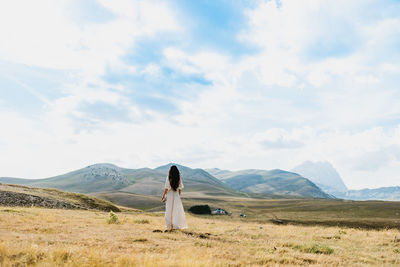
[(163, 198)]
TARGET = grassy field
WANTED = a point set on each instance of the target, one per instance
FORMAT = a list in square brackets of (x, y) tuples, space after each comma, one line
[(51, 237), (342, 213), (327, 212)]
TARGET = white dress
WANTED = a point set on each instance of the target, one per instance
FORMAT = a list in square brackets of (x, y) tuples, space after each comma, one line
[(174, 213)]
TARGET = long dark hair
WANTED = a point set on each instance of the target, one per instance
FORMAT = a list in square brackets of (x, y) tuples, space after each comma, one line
[(174, 177)]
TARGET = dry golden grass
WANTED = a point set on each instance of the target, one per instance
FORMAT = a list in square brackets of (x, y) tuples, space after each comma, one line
[(76, 200), (49, 237), (372, 214)]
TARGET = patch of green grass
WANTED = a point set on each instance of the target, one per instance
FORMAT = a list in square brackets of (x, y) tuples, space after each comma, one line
[(113, 219), (315, 248)]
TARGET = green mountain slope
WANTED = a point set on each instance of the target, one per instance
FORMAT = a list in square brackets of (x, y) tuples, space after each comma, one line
[(104, 177), (110, 178), (192, 175), (94, 178), (271, 182), (194, 180)]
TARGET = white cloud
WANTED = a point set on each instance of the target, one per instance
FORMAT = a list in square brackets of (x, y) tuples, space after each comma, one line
[(212, 65), (318, 88), (318, 78), (40, 33), (366, 79), (368, 158), (345, 95), (277, 138)]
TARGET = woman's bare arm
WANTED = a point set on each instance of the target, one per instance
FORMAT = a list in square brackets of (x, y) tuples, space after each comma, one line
[(179, 191), (163, 196)]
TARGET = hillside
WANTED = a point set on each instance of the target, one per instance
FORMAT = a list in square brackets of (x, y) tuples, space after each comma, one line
[(222, 174), (94, 178), (18, 195), (120, 185), (272, 182), (195, 181), (324, 175), (199, 180), (110, 178)]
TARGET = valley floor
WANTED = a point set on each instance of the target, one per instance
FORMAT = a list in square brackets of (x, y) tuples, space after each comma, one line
[(52, 237)]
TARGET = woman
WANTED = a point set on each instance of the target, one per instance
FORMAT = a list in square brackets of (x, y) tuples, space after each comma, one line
[(174, 213)]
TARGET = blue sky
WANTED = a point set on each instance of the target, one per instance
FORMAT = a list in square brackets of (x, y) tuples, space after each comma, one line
[(228, 84)]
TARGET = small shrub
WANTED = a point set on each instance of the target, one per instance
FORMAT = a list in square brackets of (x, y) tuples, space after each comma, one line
[(113, 219), (200, 209), (315, 248), (142, 221)]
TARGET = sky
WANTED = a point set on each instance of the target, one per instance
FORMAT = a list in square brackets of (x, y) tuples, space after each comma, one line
[(227, 84)]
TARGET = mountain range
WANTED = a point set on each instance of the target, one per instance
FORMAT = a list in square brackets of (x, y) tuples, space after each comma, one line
[(144, 181), (383, 193), (326, 177), (276, 181), (105, 177), (309, 180)]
